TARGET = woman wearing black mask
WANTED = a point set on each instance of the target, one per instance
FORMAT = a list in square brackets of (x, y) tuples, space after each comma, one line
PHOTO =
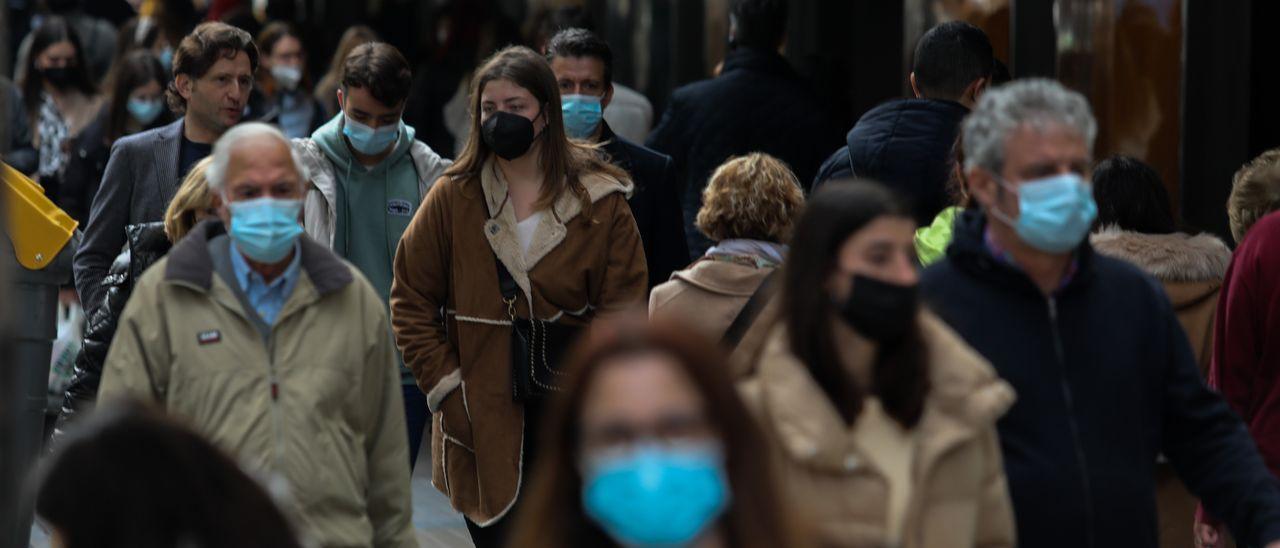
[(59, 95), (527, 237), (883, 419)]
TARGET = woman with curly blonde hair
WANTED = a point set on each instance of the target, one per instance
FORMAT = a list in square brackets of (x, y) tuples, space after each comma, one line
[(748, 209)]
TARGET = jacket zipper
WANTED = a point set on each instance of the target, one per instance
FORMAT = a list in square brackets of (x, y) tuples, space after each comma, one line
[(1071, 419), (275, 405)]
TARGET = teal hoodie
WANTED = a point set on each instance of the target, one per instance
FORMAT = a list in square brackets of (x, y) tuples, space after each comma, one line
[(374, 205)]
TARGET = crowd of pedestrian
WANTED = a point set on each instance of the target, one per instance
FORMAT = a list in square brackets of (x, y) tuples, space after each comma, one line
[(958, 330)]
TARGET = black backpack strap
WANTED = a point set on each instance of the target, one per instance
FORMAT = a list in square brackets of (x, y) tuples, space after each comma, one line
[(751, 310)]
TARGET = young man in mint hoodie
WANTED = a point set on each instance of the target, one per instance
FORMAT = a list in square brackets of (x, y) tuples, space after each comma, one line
[(369, 175)]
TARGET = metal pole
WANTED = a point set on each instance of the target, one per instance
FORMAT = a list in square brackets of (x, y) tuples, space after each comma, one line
[(30, 307)]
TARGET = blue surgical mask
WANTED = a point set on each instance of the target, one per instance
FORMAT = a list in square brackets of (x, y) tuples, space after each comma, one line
[(656, 495), (145, 111), (582, 115), (166, 58), (1055, 212), (265, 229), (370, 141)]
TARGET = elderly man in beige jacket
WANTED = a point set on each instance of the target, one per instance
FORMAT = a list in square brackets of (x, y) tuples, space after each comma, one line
[(277, 350)]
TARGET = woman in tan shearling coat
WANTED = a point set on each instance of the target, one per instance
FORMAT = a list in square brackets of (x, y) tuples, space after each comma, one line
[(556, 217), (882, 418)]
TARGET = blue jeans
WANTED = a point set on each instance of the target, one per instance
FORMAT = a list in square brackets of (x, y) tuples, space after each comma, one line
[(416, 418)]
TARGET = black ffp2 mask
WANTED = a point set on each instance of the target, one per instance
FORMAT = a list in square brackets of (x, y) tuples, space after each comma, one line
[(509, 135), (883, 312)]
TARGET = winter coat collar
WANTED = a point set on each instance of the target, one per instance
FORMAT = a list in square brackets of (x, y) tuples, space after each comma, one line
[(189, 261), (723, 277), (612, 145), (500, 229), (965, 398), (937, 113), (749, 58), (969, 252), (1173, 257)]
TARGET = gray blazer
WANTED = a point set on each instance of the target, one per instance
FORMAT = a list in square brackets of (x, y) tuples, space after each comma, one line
[(141, 178)]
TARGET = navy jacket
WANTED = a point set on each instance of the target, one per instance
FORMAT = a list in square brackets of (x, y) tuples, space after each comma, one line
[(1106, 381), (655, 203), (757, 104), (905, 144)]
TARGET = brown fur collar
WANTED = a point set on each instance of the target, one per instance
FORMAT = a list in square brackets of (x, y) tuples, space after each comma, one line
[(1174, 257)]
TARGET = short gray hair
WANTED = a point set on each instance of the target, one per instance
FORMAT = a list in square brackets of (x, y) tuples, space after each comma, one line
[(1002, 110), (217, 172)]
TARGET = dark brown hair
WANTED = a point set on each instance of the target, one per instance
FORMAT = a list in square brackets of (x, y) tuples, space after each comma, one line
[(563, 162), (958, 182), (380, 68), (134, 70), (199, 51), (273, 33), (130, 476), (900, 374), (53, 30), (552, 514), (354, 36)]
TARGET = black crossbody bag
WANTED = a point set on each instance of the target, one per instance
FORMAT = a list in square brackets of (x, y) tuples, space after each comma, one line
[(537, 347)]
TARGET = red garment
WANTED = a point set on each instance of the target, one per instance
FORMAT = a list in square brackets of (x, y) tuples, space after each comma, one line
[(218, 8), (1246, 339)]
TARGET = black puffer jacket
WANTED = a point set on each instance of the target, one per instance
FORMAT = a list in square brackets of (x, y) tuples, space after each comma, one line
[(905, 144), (147, 243)]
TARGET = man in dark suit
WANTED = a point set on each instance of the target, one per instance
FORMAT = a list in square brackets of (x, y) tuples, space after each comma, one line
[(583, 64), (213, 71), (758, 103)]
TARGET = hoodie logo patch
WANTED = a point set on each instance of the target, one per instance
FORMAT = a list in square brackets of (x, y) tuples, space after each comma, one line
[(209, 337), (399, 208)]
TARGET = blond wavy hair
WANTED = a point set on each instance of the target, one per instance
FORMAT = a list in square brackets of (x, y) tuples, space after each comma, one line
[(1255, 192), (753, 197), (192, 199)]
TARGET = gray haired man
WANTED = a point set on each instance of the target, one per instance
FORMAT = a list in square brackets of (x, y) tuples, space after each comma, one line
[(1106, 380), (275, 349)]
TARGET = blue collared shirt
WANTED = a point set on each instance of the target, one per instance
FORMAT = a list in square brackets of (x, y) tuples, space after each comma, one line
[(267, 298)]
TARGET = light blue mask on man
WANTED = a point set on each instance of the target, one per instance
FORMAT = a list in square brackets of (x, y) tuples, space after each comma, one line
[(1056, 212), (265, 229), (370, 141), (582, 115), (656, 495)]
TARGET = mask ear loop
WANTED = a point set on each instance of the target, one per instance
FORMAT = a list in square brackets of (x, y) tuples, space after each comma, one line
[(994, 209)]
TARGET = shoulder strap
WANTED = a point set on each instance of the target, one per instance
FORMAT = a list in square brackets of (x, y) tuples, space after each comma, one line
[(506, 283), (751, 310)]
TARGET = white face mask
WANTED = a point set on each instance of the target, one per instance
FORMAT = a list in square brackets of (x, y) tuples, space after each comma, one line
[(288, 77)]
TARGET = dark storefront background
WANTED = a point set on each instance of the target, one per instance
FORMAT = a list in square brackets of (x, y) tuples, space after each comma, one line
[(1186, 85)]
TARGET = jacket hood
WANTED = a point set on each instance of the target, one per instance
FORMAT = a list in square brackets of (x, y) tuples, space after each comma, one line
[(884, 131), (965, 397), (330, 140), (1174, 257)]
